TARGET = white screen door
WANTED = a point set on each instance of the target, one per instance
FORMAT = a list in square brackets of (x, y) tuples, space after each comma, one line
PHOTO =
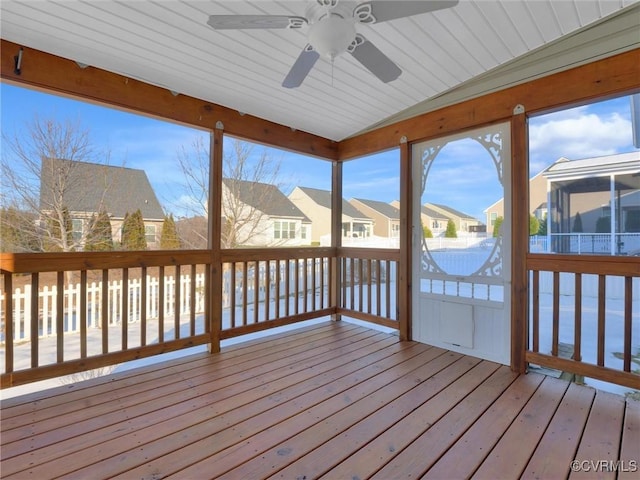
[(461, 268)]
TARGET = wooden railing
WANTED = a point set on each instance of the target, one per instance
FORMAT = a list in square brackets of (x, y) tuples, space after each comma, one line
[(101, 309), (108, 308), (597, 337), (369, 284), (267, 288)]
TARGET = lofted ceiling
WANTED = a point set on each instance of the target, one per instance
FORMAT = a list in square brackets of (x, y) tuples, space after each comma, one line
[(445, 56)]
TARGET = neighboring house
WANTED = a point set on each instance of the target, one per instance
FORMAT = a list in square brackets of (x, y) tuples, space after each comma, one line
[(462, 221), (385, 216), (435, 221), (261, 215), (537, 203), (316, 204), (605, 192), (91, 187)]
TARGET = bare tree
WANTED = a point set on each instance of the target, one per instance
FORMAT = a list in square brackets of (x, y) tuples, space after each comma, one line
[(40, 175), (248, 176)]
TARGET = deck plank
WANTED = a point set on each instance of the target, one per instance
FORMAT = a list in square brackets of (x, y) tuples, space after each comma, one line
[(442, 390), (464, 457), (601, 438), (154, 421), (513, 451), (382, 387), (560, 442), (102, 390), (334, 400), (444, 423), (187, 385), (391, 432), (630, 451)]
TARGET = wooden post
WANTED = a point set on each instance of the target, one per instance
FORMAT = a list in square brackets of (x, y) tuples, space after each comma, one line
[(406, 228), (336, 237), (215, 234), (520, 240)]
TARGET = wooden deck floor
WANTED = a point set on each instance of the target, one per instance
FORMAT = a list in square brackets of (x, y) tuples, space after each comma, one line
[(333, 400)]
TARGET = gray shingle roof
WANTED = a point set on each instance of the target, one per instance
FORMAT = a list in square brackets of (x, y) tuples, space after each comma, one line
[(264, 197), (385, 209), (453, 211), (430, 212), (92, 186), (323, 198)]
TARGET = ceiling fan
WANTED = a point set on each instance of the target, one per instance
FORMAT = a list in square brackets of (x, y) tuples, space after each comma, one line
[(332, 31)]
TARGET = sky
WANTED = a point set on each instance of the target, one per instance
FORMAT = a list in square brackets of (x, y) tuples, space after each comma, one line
[(462, 176)]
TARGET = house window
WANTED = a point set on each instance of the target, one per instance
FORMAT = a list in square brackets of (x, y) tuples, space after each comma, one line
[(150, 233), (283, 229), (395, 230), (76, 228), (303, 232), (494, 216), (435, 224)]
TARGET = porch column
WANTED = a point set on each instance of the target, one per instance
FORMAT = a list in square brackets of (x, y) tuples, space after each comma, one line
[(336, 238), (404, 295), (214, 292), (520, 240), (548, 217), (612, 212)]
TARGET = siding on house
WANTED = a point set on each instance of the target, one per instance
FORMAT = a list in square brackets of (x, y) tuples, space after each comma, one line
[(268, 217), (316, 205), (92, 187), (386, 217)]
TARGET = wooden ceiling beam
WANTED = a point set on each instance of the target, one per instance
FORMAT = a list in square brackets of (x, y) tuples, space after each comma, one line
[(616, 75), (51, 73)]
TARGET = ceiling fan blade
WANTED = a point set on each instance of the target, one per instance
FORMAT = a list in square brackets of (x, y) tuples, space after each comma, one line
[(373, 59), (377, 11), (233, 22), (305, 62)]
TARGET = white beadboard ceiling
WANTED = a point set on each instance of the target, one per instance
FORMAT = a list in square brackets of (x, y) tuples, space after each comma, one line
[(450, 54)]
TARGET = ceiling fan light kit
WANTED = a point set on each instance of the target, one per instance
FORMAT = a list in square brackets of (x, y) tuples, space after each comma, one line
[(332, 31)]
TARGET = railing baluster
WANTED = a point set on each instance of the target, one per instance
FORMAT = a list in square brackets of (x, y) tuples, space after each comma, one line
[(378, 287), (305, 287), (297, 287), (369, 275), (232, 294), (245, 288), (277, 289), (267, 287), (577, 327), (83, 314), (192, 301), (161, 299), (628, 299), (177, 301), (556, 314), (388, 289), (353, 282), (35, 320), (535, 314), (287, 286), (256, 290), (124, 318), (360, 283), (143, 306), (104, 297), (8, 322), (313, 283), (60, 317), (322, 282), (602, 281)]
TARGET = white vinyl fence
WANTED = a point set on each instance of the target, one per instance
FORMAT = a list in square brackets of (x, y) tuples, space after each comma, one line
[(48, 295)]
